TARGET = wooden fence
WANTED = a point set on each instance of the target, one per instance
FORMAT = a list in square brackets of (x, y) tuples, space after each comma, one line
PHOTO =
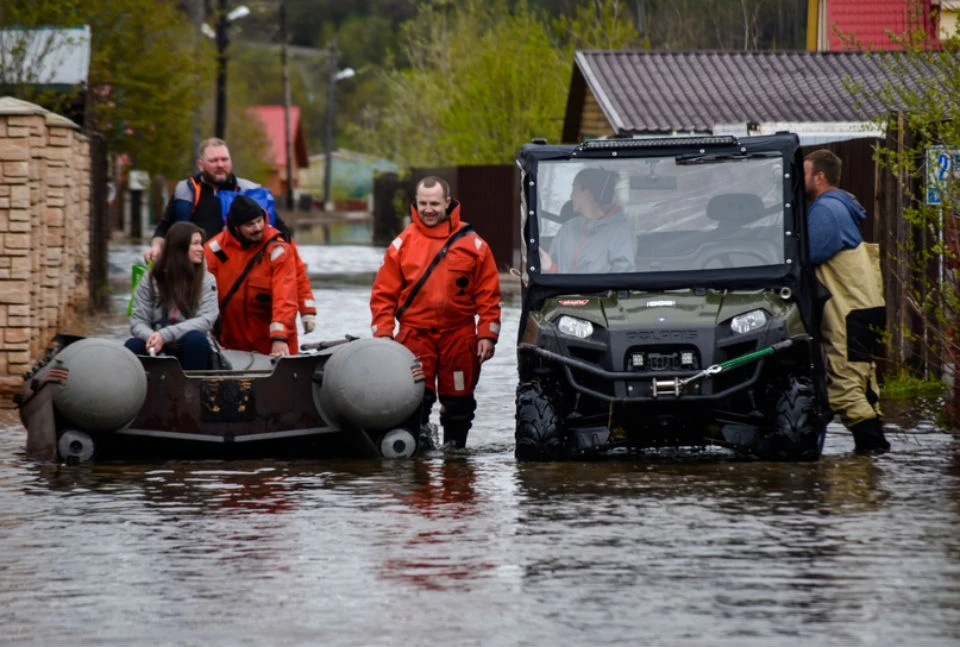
[(488, 195), (885, 196)]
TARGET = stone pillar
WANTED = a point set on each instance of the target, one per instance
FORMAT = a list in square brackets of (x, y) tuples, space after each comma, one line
[(44, 233)]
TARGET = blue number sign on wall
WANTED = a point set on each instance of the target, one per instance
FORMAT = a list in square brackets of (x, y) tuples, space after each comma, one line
[(942, 164)]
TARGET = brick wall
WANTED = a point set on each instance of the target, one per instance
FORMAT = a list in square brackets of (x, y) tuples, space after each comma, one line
[(44, 234)]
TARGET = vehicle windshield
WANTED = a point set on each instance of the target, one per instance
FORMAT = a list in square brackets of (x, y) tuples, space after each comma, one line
[(660, 214)]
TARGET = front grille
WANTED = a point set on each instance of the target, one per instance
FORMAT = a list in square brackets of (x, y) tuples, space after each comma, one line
[(669, 358), (663, 361)]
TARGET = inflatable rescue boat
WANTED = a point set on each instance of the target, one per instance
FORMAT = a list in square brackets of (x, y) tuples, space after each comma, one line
[(91, 398)]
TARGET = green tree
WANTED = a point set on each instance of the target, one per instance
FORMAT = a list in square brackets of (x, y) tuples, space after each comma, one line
[(483, 77), (596, 24), (146, 77), (721, 24), (256, 79), (151, 80)]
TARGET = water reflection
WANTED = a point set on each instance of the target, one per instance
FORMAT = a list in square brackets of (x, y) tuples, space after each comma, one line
[(212, 489), (751, 549), (476, 549), (853, 484), (700, 548), (435, 540), (444, 488), (832, 485)]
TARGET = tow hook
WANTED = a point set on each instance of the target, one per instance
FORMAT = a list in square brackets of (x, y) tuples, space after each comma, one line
[(674, 385)]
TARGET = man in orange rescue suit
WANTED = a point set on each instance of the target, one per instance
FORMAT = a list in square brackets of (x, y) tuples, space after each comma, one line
[(198, 199), (256, 275), (447, 303)]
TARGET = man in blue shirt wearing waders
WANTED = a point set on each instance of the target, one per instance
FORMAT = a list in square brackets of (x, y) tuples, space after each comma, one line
[(854, 316)]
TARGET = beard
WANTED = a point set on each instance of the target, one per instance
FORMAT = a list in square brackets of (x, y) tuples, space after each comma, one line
[(244, 241), (211, 179)]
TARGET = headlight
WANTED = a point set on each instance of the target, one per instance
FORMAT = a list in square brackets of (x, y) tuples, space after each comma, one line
[(748, 321), (574, 327)]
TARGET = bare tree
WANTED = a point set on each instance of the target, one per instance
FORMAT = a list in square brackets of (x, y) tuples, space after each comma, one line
[(722, 24)]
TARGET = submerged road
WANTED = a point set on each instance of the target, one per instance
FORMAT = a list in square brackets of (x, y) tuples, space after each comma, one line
[(476, 549)]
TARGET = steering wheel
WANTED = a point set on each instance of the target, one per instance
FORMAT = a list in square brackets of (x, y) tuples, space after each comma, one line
[(729, 258)]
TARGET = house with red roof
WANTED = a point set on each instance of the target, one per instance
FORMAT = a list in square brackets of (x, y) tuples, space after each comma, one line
[(852, 25), (274, 126)]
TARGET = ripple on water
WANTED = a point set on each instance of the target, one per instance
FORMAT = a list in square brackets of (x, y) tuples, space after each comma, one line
[(475, 549)]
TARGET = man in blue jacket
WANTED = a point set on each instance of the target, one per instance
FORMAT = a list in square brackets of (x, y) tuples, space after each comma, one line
[(197, 199), (854, 316)]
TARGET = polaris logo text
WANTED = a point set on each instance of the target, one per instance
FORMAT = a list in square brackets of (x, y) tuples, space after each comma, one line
[(663, 303), (662, 335)]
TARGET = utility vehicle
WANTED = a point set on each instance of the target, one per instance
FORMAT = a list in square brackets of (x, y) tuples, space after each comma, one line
[(708, 337)]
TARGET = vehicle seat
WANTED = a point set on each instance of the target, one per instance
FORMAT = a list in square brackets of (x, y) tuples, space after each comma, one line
[(734, 241), (734, 210)]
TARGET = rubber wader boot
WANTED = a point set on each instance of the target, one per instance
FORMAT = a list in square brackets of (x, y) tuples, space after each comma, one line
[(455, 434), (868, 437), (456, 417), (426, 406)]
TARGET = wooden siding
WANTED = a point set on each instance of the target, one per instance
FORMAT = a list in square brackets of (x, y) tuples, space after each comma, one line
[(593, 123)]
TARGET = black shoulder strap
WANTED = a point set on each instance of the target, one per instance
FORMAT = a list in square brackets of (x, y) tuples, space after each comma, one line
[(460, 233), (243, 275)]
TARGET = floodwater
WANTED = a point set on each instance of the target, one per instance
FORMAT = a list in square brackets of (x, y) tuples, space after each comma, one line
[(476, 549)]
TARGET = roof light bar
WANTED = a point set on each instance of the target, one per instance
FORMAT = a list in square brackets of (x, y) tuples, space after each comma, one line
[(657, 142)]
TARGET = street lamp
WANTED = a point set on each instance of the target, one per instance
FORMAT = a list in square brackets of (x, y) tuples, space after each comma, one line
[(287, 134), (335, 75), (220, 35)]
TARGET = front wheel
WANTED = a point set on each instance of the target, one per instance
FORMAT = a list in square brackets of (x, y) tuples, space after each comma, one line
[(798, 432), (538, 436)]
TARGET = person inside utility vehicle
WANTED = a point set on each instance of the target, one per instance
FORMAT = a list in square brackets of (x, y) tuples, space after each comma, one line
[(598, 240)]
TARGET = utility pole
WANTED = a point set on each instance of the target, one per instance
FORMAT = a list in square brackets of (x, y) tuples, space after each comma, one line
[(197, 11), (221, 39), (224, 18), (328, 140), (287, 126)]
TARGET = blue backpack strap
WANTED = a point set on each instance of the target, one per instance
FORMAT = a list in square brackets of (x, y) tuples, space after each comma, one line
[(226, 199), (260, 195)]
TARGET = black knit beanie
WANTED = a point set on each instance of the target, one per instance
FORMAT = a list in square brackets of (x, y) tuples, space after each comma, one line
[(243, 210)]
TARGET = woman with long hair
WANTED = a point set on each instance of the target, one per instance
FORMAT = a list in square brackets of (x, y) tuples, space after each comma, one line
[(175, 305)]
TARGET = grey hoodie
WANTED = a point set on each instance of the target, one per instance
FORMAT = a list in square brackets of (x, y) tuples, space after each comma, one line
[(147, 316), (598, 246)]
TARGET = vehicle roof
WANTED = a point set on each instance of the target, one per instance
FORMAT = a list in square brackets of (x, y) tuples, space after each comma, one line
[(782, 143)]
